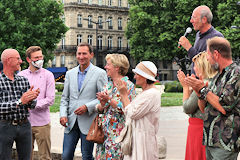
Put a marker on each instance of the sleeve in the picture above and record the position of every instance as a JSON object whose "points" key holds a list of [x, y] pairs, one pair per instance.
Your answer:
{"points": [[102, 80], [192, 52], [50, 93], [231, 93], [65, 97], [190, 105], [142, 105]]}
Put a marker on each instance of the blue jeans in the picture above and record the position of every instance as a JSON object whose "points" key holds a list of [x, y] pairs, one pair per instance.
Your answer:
{"points": [[21, 134], [70, 142], [213, 153]]}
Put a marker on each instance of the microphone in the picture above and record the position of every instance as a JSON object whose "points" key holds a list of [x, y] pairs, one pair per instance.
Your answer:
{"points": [[188, 30]]}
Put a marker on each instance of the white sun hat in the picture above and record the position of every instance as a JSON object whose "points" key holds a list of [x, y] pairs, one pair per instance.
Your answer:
{"points": [[146, 69]]}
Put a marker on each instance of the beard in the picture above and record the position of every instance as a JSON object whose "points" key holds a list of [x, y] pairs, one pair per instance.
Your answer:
{"points": [[215, 66]]}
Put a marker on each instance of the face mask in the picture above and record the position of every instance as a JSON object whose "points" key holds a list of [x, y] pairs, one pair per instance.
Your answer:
{"points": [[38, 64]]}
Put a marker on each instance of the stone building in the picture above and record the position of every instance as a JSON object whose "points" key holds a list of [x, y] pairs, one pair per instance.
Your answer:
{"points": [[98, 22], [102, 24]]}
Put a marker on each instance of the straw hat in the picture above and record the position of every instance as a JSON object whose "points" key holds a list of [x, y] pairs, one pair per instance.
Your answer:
{"points": [[146, 69]]}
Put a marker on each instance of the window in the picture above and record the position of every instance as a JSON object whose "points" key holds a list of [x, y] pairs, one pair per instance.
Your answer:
{"points": [[100, 2], [62, 60], [90, 39], [120, 3], [119, 42], [165, 64], [63, 43], [79, 39], [90, 22], [128, 5], [100, 42], [54, 61], [110, 23], [119, 23], [109, 2], [100, 22], [128, 20], [62, 1], [109, 42], [79, 1], [79, 20], [128, 44], [89, 1]]}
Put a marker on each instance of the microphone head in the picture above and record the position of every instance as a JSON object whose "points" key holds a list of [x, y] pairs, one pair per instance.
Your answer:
{"points": [[189, 30]]}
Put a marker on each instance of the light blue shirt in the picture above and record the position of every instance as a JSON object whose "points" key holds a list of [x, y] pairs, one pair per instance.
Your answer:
{"points": [[81, 76]]}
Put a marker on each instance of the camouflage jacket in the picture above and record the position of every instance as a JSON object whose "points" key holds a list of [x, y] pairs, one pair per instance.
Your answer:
{"points": [[224, 130]]}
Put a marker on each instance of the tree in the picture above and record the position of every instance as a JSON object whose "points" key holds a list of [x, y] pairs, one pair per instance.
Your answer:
{"points": [[25, 23], [156, 25]]}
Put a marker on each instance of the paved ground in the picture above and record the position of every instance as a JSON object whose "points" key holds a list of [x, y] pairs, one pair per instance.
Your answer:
{"points": [[173, 126]]}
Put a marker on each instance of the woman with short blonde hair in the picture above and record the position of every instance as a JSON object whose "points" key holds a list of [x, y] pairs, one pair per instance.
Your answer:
{"points": [[119, 60]]}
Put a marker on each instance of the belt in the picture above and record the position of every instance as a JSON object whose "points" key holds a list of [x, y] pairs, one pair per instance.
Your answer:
{"points": [[16, 122]]}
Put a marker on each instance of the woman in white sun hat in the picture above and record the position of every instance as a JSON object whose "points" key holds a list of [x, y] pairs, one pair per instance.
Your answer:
{"points": [[144, 111]]}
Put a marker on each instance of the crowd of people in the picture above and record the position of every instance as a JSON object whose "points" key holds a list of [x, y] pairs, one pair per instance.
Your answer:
{"points": [[210, 98]]}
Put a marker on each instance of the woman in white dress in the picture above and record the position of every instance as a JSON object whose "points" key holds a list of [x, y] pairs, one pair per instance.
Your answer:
{"points": [[144, 111]]}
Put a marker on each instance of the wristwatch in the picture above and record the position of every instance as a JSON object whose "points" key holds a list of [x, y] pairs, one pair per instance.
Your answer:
{"points": [[19, 102], [203, 93]]}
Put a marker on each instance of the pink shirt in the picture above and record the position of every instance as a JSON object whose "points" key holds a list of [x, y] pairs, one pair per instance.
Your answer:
{"points": [[44, 80]]}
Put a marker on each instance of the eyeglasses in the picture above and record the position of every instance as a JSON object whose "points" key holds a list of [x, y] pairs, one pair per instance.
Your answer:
{"points": [[198, 55], [18, 58]]}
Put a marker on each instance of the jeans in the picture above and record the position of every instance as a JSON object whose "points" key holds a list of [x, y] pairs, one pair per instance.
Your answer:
{"points": [[21, 134], [213, 153], [70, 141]]}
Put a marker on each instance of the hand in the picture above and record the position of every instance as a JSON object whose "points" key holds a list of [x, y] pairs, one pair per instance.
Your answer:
{"points": [[30, 95], [195, 83], [184, 42], [181, 76], [122, 87], [64, 121], [81, 110]]}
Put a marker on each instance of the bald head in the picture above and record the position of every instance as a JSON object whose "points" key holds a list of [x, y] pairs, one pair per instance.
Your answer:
{"points": [[204, 12], [8, 53]]}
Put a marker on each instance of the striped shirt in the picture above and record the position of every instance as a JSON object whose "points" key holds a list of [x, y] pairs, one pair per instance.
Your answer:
{"points": [[10, 93]]}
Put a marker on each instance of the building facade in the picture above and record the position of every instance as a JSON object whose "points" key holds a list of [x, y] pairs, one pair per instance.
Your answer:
{"points": [[101, 23]]}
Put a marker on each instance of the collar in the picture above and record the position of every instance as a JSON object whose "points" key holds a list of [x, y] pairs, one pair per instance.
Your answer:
{"points": [[16, 77], [201, 35], [85, 71], [37, 71]]}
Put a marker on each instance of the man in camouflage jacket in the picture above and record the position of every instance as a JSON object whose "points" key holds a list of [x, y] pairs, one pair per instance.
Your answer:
{"points": [[221, 99]]}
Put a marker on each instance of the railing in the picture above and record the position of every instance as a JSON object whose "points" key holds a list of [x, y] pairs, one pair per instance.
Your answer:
{"points": [[101, 49]]}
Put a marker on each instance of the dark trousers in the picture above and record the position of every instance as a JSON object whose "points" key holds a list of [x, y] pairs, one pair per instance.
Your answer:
{"points": [[21, 134]]}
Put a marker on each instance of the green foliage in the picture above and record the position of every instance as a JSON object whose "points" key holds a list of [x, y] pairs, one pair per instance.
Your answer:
{"points": [[56, 105], [25, 23], [157, 25], [174, 86], [59, 87]]}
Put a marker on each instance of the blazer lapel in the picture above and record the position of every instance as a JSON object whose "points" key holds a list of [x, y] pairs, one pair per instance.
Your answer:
{"points": [[87, 77]]}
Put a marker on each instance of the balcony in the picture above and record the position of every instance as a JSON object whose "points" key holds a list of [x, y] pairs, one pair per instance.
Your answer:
{"points": [[79, 25], [110, 27], [90, 26], [119, 27], [100, 26]]}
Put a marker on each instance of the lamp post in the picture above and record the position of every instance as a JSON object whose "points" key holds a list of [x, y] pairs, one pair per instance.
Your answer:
{"points": [[97, 25]]}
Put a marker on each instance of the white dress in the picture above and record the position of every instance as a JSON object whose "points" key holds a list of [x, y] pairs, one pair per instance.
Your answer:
{"points": [[144, 111]]}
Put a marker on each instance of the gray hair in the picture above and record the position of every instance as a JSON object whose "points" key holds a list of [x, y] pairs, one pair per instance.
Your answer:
{"points": [[206, 12]]}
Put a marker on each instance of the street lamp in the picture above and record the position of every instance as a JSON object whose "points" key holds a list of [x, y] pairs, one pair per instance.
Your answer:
{"points": [[97, 25]]}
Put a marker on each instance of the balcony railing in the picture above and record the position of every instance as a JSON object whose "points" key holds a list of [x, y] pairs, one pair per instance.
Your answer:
{"points": [[79, 25], [101, 49]]}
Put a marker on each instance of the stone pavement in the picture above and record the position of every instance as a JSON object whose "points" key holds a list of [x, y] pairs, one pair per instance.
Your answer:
{"points": [[173, 126]]}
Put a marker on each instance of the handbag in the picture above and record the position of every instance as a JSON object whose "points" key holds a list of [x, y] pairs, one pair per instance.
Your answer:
{"points": [[125, 138], [95, 133]]}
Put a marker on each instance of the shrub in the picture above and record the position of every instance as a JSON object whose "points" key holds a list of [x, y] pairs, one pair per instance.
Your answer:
{"points": [[174, 86], [59, 87]]}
